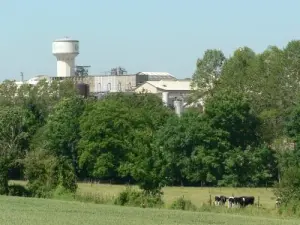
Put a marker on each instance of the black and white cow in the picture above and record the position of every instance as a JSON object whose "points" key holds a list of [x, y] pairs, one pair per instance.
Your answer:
{"points": [[246, 200], [231, 201], [240, 201], [220, 200], [278, 202]]}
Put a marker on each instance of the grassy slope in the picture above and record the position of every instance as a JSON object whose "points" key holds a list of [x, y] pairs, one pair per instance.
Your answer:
{"points": [[30, 211]]}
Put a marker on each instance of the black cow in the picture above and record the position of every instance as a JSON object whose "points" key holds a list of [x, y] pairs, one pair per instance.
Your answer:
{"points": [[220, 200], [247, 200], [242, 201], [232, 201]]}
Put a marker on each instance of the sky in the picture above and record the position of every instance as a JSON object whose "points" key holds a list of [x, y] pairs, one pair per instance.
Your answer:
{"points": [[139, 35]]}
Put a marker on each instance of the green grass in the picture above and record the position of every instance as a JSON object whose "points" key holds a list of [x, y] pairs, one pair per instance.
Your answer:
{"points": [[31, 211], [197, 195]]}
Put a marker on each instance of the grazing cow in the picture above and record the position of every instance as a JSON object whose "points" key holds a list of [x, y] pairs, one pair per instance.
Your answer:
{"points": [[247, 200], [278, 202], [231, 201], [240, 201], [220, 200]]}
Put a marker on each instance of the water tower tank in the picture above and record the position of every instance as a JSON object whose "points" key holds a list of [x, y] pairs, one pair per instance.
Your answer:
{"points": [[65, 50]]}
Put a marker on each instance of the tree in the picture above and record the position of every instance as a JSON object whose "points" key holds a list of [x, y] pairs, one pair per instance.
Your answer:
{"points": [[46, 173], [62, 131], [14, 123], [230, 112], [119, 145], [192, 148], [105, 129], [208, 70], [236, 73]]}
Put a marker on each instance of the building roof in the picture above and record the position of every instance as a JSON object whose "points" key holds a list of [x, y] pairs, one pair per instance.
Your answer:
{"points": [[170, 85], [155, 74]]}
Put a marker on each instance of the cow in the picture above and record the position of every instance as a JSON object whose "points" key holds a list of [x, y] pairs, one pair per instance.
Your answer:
{"points": [[220, 200], [278, 202], [231, 202], [246, 200], [242, 201]]}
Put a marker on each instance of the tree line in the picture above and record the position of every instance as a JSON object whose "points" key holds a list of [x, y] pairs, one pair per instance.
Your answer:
{"points": [[246, 135]]}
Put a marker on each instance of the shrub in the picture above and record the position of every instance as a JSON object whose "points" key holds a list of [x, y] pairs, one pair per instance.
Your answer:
{"points": [[183, 204], [94, 197], [46, 173], [18, 190], [130, 197]]}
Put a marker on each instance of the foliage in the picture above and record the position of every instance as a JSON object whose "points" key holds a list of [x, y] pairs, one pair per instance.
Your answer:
{"points": [[130, 197], [45, 173], [61, 130], [208, 71], [14, 126], [247, 134], [183, 204], [18, 190]]}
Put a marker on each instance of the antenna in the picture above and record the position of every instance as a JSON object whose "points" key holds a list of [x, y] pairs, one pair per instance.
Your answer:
{"points": [[118, 71], [82, 71]]}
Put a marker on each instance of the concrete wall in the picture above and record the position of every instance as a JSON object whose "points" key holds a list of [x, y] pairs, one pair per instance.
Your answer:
{"points": [[112, 83]]}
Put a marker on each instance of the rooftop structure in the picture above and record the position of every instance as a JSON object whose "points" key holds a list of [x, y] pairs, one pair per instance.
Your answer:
{"points": [[155, 76]]}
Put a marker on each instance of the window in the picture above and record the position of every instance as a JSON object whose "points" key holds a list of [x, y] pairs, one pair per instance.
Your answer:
{"points": [[119, 86], [108, 86]]}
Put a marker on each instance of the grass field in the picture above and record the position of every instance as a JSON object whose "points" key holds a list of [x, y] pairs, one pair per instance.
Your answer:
{"points": [[197, 195], [31, 211]]}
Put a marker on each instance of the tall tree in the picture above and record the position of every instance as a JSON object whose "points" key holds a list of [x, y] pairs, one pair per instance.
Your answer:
{"points": [[14, 123], [237, 71], [62, 132], [231, 112], [208, 70]]}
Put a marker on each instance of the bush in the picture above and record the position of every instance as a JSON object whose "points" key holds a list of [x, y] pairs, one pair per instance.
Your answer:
{"points": [[94, 197], [183, 204], [18, 190], [47, 173], [130, 197]]}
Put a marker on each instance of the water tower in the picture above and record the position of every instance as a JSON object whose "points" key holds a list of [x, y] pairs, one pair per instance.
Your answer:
{"points": [[65, 50]]}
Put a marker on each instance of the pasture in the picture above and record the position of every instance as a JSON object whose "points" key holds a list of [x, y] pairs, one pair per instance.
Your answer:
{"points": [[32, 211], [197, 195]]}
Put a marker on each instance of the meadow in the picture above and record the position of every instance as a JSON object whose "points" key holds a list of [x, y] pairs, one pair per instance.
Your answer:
{"points": [[32, 211], [198, 195]]}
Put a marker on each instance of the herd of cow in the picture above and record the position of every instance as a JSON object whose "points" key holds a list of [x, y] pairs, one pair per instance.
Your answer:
{"points": [[242, 201]]}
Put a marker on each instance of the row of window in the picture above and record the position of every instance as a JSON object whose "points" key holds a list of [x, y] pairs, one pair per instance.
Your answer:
{"points": [[119, 86]]}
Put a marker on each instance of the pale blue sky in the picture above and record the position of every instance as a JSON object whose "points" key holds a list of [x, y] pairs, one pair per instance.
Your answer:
{"points": [[140, 35]]}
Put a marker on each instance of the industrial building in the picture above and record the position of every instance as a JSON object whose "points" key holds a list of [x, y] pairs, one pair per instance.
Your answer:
{"points": [[66, 50], [172, 89]]}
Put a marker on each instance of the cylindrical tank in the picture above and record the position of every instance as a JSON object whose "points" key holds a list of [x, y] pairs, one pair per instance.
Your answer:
{"points": [[165, 98], [83, 89], [178, 105], [65, 50]]}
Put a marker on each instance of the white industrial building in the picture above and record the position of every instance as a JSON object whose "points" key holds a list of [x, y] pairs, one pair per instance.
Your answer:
{"points": [[162, 83], [172, 89]]}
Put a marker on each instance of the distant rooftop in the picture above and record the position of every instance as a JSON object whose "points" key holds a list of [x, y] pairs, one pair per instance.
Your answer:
{"points": [[155, 76], [170, 85]]}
